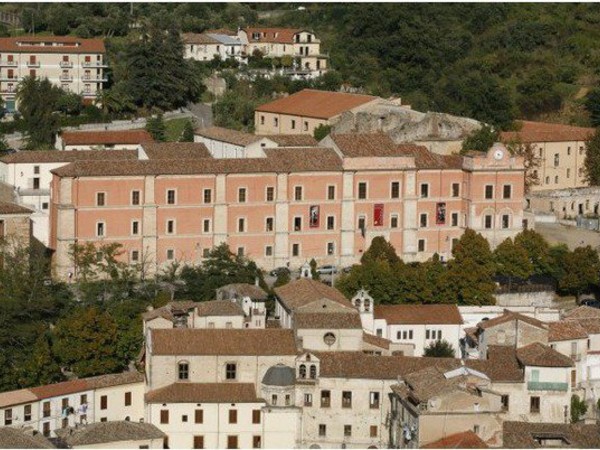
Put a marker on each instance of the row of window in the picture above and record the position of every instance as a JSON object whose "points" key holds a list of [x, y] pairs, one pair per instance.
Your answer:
{"points": [[232, 442], [199, 416], [373, 430], [374, 399], [557, 155], [362, 193]]}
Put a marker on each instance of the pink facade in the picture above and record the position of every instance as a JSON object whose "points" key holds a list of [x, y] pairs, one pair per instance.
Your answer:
{"points": [[278, 211]]}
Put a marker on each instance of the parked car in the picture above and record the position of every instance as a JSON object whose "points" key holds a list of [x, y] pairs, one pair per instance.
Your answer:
{"points": [[326, 270], [347, 269], [279, 270], [593, 303]]}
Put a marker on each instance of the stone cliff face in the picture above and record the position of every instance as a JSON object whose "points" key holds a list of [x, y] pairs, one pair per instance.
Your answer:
{"points": [[403, 124]]}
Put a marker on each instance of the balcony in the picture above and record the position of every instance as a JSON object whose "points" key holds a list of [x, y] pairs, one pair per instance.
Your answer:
{"points": [[66, 64], [66, 78], [95, 79], [547, 386], [93, 64], [7, 90], [9, 78], [5, 63], [33, 64]]}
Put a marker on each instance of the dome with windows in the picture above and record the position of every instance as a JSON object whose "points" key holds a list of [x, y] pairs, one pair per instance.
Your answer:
{"points": [[279, 375]]}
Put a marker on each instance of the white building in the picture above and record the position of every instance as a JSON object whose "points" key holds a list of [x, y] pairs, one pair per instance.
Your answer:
{"points": [[207, 46], [102, 140]]}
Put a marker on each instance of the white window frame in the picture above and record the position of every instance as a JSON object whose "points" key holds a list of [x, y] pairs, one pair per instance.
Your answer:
{"points": [[138, 225], [245, 194], [103, 228], [209, 221]]}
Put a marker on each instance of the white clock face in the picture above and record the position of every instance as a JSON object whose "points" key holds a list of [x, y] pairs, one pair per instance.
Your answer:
{"points": [[498, 154]]}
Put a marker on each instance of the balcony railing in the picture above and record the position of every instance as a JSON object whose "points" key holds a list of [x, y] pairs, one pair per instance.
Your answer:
{"points": [[8, 90], [6, 63], [547, 386], [95, 79], [33, 64], [67, 78], [8, 78], [66, 64], [93, 64]]}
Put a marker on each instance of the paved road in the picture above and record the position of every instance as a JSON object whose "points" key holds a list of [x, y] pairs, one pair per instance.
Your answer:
{"points": [[556, 233]]}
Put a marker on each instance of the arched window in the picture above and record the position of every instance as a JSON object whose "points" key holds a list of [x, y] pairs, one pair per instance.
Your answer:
{"points": [[302, 371], [313, 371], [367, 305], [357, 303], [183, 370]]}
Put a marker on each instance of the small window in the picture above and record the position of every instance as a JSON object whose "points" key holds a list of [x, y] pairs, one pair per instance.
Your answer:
{"points": [[374, 400], [325, 399], [100, 199], [330, 248], [298, 193], [45, 205], [394, 221], [8, 417], [489, 191], [347, 430], [230, 371], [362, 191], [256, 416], [164, 416], [206, 226], [556, 179], [241, 251], [269, 250], [305, 126], [135, 255], [170, 254], [331, 192], [135, 227], [346, 399], [322, 430], [556, 160], [487, 222], [507, 191], [241, 225], [421, 245], [207, 196], [103, 402], [534, 405], [275, 121], [198, 442], [362, 222], [46, 409], [242, 195], [295, 249], [269, 224], [395, 189], [135, 198], [233, 416], [373, 431], [256, 442], [307, 399], [100, 229], [262, 120], [423, 220], [297, 223], [455, 189], [505, 221], [36, 170], [270, 195], [27, 412], [504, 400], [293, 124], [170, 226], [454, 219], [330, 222], [424, 190], [127, 398], [199, 416], [171, 197], [183, 369]]}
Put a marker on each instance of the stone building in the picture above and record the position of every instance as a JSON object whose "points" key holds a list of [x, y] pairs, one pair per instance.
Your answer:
{"points": [[15, 226]]}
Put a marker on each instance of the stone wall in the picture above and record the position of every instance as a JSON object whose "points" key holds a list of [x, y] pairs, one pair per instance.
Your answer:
{"points": [[543, 299]]}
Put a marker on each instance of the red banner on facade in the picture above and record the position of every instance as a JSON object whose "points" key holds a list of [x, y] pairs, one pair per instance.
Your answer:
{"points": [[314, 216], [440, 214], [378, 215]]}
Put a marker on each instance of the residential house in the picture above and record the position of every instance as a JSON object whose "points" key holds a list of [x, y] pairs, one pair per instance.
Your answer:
{"points": [[251, 298], [102, 140], [208, 46], [304, 111], [15, 226], [71, 63], [525, 434], [289, 205], [559, 151]]}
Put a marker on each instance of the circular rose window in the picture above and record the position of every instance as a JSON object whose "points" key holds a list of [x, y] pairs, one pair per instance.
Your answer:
{"points": [[329, 338]]}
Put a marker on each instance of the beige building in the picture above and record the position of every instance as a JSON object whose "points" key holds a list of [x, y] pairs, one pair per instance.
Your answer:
{"points": [[566, 203], [74, 64], [302, 112], [210, 45], [559, 151]]}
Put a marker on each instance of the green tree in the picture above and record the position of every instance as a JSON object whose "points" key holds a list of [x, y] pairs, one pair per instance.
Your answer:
{"points": [[512, 261], [380, 250], [322, 131], [117, 99], [188, 132], [37, 99], [42, 366], [578, 408], [580, 269], [157, 128], [69, 103], [592, 105], [313, 270], [538, 251], [439, 349], [480, 140], [468, 283], [86, 342], [283, 278], [473, 246], [591, 163]]}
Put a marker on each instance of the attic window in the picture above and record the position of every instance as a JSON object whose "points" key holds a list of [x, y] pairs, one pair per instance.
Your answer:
{"points": [[329, 339]]}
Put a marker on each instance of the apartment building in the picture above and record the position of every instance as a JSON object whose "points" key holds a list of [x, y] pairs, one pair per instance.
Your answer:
{"points": [[209, 45], [288, 205], [277, 42], [74, 64], [559, 151], [27, 175], [102, 140], [304, 111]]}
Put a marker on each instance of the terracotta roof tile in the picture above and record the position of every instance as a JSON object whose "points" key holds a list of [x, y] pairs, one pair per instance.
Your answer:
{"points": [[204, 393], [69, 44], [272, 35], [327, 320], [316, 104], [419, 314], [16, 397], [108, 432], [278, 160], [58, 156], [376, 341], [219, 308], [547, 132], [502, 365], [591, 326], [431, 382], [509, 316], [114, 379], [227, 135], [7, 208], [233, 342], [198, 38], [304, 291], [583, 312], [293, 140], [566, 330], [23, 438], [176, 150], [58, 389], [364, 366], [166, 311], [105, 137], [424, 159], [466, 439], [359, 145], [525, 434], [541, 355]]}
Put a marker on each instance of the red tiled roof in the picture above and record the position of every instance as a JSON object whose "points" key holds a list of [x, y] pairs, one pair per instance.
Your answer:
{"points": [[509, 316], [502, 365], [419, 314], [57, 389], [424, 159], [198, 38], [233, 342], [466, 439], [566, 330], [547, 132], [304, 291], [274, 35], [377, 341], [541, 355], [58, 156], [227, 135], [105, 137], [583, 312], [328, 320], [316, 104], [7, 208], [292, 140], [204, 393], [22, 44], [357, 145]]}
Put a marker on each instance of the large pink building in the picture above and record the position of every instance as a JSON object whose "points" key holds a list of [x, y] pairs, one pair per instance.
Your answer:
{"points": [[287, 206]]}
